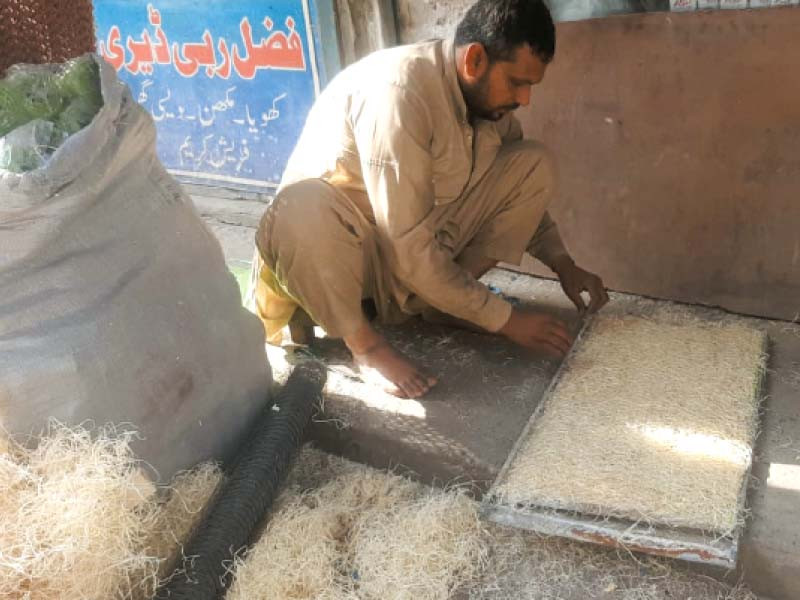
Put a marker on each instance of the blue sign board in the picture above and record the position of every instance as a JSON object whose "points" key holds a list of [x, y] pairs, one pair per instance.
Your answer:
{"points": [[229, 84]]}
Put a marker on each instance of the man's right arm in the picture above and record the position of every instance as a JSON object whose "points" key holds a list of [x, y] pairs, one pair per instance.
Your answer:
{"points": [[393, 136], [393, 132]]}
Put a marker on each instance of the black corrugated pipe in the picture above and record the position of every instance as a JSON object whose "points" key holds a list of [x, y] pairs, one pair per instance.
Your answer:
{"points": [[250, 488]]}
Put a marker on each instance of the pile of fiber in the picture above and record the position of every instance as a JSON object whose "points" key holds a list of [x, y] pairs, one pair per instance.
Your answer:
{"points": [[362, 534], [79, 519], [653, 420], [345, 531]]}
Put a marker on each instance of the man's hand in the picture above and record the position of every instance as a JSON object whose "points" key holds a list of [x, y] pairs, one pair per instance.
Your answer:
{"points": [[575, 280], [538, 331]]}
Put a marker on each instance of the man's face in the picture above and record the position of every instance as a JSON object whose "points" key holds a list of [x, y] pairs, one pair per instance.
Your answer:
{"points": [[505, 85]]}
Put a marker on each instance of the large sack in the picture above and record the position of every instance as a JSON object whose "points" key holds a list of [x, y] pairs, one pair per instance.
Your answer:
{"points": [[115, 302]]}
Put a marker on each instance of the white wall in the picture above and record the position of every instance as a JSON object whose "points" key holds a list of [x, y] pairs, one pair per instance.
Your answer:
{"points": [[424, 19]]}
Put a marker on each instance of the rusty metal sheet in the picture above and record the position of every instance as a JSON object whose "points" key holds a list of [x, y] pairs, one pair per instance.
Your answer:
{"points": [[684, 545]]}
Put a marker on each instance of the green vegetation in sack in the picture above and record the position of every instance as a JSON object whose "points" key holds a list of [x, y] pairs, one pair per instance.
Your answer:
{"points": [[26, 147], [66, 95]]}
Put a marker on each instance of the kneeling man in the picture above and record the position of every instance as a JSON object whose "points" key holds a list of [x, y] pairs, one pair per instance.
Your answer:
{"points": [[411, 180]]}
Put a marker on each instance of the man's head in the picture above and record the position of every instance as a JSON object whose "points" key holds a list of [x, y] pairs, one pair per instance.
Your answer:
{"points": [[502, 48]]}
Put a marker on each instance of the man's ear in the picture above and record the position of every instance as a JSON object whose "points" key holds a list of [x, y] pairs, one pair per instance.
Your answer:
{"points": [[476, 62]]}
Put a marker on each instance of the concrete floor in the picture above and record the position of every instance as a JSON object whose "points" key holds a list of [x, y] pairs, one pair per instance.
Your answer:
{"points": [[488, 389], [464, 429]]}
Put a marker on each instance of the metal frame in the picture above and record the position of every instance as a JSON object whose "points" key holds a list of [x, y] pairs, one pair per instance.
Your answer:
{"points": [[684, 544]]}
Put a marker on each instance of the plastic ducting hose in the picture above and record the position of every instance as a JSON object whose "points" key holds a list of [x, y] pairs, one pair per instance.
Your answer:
{"points": [[250, 489]]}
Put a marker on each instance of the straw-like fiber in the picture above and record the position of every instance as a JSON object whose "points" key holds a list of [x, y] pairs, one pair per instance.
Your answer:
{"points": [[79, 519], [652, 420], [425, 548], [346, 532], [175, 514], [525, 566], [364, 534], [70, 522], [340, 531]]}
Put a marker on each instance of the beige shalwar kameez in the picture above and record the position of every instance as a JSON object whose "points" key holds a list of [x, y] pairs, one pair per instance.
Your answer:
{"points": [[388, 185]]}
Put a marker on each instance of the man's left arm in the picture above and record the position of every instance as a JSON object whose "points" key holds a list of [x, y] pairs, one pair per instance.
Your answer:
{"points": [[548, 247]]}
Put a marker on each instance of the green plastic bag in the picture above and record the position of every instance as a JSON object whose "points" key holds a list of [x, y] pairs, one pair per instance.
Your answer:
{"points": [[66, 95]]}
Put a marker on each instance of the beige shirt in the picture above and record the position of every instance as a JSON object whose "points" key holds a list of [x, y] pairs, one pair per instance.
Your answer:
{"points": [[392, 132]]}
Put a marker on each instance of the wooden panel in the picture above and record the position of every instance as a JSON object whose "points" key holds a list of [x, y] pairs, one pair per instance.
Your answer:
{"points": [[678, 137]]}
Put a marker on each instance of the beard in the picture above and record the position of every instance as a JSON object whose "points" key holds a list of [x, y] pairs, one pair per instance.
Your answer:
{"points": [[476, 97]]}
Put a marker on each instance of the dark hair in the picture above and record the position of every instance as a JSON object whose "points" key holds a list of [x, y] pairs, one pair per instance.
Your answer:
{"points": [[500, 26]]}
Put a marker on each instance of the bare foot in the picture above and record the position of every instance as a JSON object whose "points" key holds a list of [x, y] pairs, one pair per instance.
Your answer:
{"points": [[399, 376], [382, 363]]}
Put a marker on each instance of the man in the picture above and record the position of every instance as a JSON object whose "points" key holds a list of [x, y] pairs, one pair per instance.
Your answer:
{"points": [[410, 181]]}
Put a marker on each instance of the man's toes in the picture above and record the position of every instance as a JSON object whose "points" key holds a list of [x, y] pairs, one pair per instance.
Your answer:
{"points": [[415, 390], [426, 381], [403, 392], [397, 390], [422, 384]]}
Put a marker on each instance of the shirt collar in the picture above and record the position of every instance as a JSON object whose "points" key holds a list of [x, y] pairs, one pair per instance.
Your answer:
{"points": [[449, 56]]}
